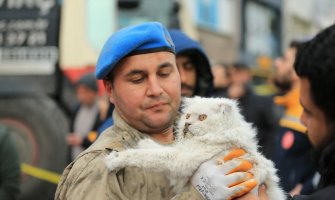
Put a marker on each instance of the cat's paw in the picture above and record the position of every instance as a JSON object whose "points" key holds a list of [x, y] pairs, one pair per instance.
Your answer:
{"points": [[114, 161]]}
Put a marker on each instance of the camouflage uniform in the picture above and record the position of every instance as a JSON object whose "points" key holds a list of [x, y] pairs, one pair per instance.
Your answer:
{"points": [[87, 177]]}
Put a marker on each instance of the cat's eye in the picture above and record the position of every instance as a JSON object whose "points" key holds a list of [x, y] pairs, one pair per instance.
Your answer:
{"points": [[202, 117], [188, 116]]}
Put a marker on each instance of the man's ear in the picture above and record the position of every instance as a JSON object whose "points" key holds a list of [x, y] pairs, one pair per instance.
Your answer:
{"points": [[109, 90]]}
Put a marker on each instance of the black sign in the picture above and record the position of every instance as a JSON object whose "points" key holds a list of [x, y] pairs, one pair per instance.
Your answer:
{"points": [[29, 29], [29, 23]]}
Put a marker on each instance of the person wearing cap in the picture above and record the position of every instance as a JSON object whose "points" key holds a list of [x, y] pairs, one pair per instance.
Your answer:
{"points": [[86, 118], [193, 66], [138, 68], [221, 79], [256, 109]]}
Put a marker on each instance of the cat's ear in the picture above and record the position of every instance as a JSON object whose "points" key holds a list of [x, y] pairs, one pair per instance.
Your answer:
{"points": [[224, 108]]}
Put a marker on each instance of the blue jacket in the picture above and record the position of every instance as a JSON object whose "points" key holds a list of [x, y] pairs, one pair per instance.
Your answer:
{"points": [[184, 44]]}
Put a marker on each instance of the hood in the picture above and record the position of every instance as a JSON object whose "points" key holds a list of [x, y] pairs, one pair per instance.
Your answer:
{"points": [[184, 44]]}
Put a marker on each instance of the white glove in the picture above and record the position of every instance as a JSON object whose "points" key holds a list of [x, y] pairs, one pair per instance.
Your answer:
{"points": [[224, 180]]}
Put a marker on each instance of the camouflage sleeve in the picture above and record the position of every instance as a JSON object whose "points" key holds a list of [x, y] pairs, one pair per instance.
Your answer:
{"points": [[192, 193], [90, 179]]}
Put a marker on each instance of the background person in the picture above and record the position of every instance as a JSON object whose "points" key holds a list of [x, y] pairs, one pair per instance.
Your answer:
{"points": [[256, 109], [315, 67], [221, 79], [193, 66], [293, 151], [86, 118]]}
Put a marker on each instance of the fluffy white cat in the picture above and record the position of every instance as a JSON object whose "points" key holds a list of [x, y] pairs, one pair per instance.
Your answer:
{"points": [[206, 128]]}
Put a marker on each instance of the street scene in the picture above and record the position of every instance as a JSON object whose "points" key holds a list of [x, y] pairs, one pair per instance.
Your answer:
{"points": [[84, 81]]}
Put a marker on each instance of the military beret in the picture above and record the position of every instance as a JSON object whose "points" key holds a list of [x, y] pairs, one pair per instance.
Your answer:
{"points": [[133, 40]]}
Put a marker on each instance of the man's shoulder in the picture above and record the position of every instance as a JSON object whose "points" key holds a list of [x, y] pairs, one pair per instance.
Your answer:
{"points": [[92, 159], [89, 175], [85, 163], [111, 139]]}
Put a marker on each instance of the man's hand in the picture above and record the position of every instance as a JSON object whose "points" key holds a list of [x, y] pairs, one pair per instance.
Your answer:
{"points": [[296, 190], [74, 140], [225, 178], [261, 195]]}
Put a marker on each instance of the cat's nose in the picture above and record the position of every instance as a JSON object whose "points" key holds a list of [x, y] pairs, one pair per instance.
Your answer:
{"points": [[187, 125]]}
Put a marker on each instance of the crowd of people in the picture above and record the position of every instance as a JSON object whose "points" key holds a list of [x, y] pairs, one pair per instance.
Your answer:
{"points": [[146, 69]]}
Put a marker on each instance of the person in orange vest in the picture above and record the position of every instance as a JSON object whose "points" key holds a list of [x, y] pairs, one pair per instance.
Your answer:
{"points": [[292, 152]]}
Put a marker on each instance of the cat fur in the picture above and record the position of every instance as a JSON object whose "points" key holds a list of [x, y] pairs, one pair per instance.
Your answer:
{"points": [[223, 130]]}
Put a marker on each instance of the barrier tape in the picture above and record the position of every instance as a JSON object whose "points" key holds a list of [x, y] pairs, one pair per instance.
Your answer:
{"points": [[40, 173]]}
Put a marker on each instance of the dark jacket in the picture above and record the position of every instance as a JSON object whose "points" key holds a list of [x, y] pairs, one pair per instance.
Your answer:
{"points": [[184, 44], [98, 126], [9, 167], [326, 167], [294, 160], [90, 137], [293, 150], [260, 111]]}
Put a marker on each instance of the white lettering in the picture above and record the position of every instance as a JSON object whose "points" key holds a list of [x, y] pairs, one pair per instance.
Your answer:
{"points": [[43, 6], [29, 54], [14, 38], [18, 4], [37, 38], [27, 24], [2, 25]]}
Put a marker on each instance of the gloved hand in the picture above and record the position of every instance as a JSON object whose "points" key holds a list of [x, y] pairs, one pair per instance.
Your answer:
{"points": [[225, 178]]}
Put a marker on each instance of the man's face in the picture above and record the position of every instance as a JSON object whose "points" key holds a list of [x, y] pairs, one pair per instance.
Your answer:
{"points": [[312, 117], [188, 75], [146, 91], [285, 73], [221, 79], [240, 76], [85, 95]]}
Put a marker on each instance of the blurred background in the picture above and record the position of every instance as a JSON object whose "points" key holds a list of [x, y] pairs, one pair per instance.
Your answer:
{"points": [[45, 46]]}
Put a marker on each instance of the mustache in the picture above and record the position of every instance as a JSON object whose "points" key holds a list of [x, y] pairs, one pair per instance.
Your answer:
{"points": [[158, 100], [189, 87]]}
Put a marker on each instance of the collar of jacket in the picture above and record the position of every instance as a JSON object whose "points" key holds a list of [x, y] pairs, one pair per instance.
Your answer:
{"points": [[326, 164]]}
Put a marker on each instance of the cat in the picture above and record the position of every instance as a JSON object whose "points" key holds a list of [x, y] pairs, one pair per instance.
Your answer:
{"points": [[206, 128]]}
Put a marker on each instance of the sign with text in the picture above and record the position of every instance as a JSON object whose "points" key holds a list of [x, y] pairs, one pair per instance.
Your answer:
{"points": [[29, 31]]}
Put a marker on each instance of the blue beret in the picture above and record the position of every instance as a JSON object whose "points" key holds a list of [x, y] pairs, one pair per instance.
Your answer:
{"points": [[139, 39]]}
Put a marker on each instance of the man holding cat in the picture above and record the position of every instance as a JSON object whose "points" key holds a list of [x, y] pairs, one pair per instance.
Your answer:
{"points": [[138, 68]]}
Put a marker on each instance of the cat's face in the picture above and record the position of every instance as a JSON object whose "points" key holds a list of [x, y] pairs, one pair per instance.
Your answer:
{"points": [[204, 115]]}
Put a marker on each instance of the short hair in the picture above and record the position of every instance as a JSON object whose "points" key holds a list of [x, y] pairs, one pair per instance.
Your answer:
{"points": [[88, 80], [221, 64], [297, 44], [316, 62], [240, 66]]}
